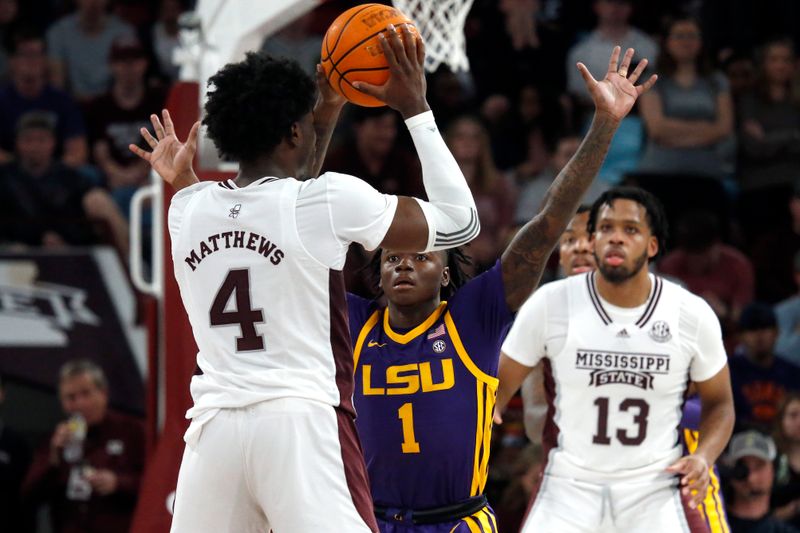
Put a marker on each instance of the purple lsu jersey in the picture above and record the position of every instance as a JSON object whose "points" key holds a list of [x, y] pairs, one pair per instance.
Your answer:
{"points": [[425, 396], [713, 506]]}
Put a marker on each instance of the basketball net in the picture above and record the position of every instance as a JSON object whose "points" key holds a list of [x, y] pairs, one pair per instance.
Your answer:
{"points": [[441, 24]]}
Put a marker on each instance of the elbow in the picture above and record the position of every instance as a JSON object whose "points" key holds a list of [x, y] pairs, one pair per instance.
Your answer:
{"points": [[469, 228]]}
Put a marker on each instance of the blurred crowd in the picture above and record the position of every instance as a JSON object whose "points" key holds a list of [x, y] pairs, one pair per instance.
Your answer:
{"points": [[717, 140]]}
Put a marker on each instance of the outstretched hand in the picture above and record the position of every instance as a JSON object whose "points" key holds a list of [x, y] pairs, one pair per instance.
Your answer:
{"points": [[615, 94], [171, 158]]}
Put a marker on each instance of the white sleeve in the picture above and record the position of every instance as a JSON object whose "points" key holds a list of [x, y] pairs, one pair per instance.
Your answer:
{"points": [[178, 204], [358, 212], [525, 343], [450, 210], [709, 355]]}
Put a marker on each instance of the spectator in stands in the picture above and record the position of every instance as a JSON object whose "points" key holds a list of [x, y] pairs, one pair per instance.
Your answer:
{"points": [[513, 504], [786, 491], [116, 118], [165, 38], [29, 91], [788, 315], [532, 189], [717, 272], [748, 509], [45, 202], [89, 475], [493, 191], [375, 155], [9, 10], [689, 115], [740, 70], [613, 28], [760, 380], [296, 41], [15, 457], [79, 45], [769, 134]]}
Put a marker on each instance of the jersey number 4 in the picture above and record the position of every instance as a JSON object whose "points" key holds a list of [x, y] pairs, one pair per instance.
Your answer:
{"points": [[639, 418], [237, 284]]}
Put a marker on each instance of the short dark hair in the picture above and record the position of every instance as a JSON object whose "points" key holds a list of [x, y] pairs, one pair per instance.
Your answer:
{"points": [[583, 208], [654, 211], [20, 35], [252, 105]]}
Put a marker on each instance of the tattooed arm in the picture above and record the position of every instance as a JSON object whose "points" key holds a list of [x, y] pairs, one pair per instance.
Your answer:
{"points": [[524, 260]]}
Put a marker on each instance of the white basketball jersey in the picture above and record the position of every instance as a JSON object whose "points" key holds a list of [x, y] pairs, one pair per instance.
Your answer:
{"points": [[268, 315], [616, 377]]}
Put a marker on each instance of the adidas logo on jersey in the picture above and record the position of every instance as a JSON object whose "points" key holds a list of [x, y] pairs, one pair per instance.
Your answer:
{"points": [[623, 334]]}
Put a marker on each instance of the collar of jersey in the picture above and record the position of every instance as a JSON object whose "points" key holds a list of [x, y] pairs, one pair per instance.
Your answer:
{"points": [[417, 331], [231, 184], [650, 304]]}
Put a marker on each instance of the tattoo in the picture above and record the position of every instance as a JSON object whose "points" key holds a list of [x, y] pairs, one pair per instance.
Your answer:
{"points": [[524, 260]]}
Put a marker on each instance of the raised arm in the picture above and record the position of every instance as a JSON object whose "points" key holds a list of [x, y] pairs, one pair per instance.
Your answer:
{"points": [[525, 258], [326, 115], [449, 217]]}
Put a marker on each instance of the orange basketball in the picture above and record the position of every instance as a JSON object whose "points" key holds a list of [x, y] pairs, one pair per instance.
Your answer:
{"points": [[352, 52]]}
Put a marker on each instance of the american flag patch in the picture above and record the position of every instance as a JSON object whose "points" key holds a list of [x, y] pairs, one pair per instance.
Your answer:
{"points": [[438, 332]]}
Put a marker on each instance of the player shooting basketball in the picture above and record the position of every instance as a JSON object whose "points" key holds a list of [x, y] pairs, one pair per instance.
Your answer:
{"points": [[272, 442], [426, 365]]}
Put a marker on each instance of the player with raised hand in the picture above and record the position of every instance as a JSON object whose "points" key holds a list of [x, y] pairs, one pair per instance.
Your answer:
{"points": [[618, 347], [426, 364], [258, 259]]}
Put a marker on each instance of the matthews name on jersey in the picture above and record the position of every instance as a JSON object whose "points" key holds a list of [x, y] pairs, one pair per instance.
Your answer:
{"points": [[425, 397], [615, 377], [259, 271]]}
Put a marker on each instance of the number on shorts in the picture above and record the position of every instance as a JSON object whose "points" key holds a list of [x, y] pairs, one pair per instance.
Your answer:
{"points": [[640, 419], [406, 416], [237, 283]]}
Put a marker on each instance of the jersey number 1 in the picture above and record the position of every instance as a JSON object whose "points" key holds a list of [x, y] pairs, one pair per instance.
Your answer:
{"points": [[237, 283], [406, 416]]}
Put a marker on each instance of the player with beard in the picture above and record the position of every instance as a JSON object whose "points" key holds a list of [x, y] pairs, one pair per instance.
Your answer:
{"points": [[426, 363], [619, 347]]}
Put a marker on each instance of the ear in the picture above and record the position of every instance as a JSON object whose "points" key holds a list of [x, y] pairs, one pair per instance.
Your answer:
{"points": [[446, 276], [652, 247], [296, 134]]}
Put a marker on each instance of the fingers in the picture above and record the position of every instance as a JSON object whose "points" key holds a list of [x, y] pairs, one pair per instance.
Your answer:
{"points": [[638, 71], [612, 63], [409, 43], [420, 50], [373, 90], [140, 152], [148, 137], [393, 38], [646, 86], [191, 141], [157, 127], [497, 418], [168, 125], [388, 49], [626, 63], [587, 76]]}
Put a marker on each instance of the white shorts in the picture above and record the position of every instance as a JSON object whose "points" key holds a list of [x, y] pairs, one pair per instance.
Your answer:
{"points": [[290, 465], [565, 505]]}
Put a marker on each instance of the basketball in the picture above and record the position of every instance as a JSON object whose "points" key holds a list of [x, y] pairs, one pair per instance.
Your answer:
{"points": [[352, 52]]}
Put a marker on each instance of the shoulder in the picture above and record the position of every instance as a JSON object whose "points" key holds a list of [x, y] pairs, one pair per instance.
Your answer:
{"points": [[125, 424], [118, 26], [182, 197], [642, 39], [731, 254], [67, 23], [691, 305]]}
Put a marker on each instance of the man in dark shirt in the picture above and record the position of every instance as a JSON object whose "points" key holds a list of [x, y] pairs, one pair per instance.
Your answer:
{"points": [[45, 202], [752, 454], [90, 470], [15, 457], [759, 379]]}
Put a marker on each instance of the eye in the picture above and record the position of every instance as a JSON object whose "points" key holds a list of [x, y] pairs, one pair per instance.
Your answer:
{"points": [[422, 257], [569, 240], [391, 258], [604, 227], [632, 230]]}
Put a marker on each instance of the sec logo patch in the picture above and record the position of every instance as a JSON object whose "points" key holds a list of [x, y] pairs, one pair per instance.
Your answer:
{"points": [[439, 346]]}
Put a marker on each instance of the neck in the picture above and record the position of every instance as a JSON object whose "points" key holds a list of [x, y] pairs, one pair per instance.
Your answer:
{"points": [[128, 95], [250, 171], [777, 92], [29, 88], [613, 31], [410, 316], [753, 508], [632, 292], [762, 360], [91, 22], [686, 70], [793, 453], [35, 168]]}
